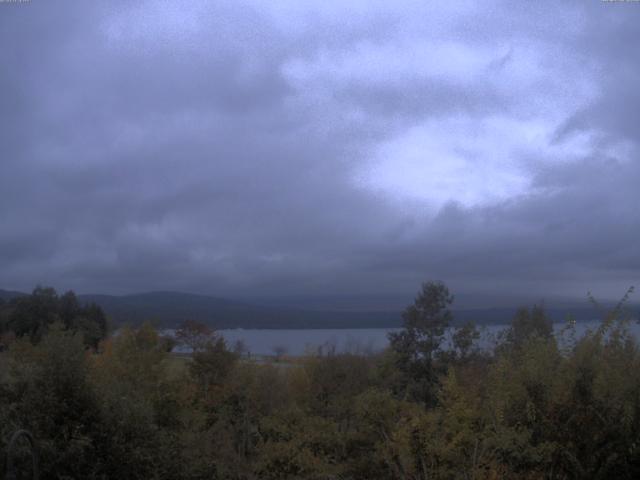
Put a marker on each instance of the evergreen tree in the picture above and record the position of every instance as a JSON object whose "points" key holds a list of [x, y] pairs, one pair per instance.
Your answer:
{"points": [[417, 345]]}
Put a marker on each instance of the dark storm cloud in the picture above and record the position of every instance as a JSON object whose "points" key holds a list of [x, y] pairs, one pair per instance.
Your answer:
{"points": [[234, 149]]}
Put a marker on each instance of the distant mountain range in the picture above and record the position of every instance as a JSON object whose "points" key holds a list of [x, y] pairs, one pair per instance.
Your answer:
{"points": [[167, 309]]}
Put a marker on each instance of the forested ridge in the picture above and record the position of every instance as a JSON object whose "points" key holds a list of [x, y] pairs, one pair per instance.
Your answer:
{"points": [[166, 309], [123, 406]]}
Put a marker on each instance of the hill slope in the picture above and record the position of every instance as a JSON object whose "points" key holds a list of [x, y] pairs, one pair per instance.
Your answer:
{"points": [[9, 294], [167, 309]]}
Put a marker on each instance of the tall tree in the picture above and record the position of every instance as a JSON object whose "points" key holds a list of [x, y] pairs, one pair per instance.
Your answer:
{"points": [[417, 345]]}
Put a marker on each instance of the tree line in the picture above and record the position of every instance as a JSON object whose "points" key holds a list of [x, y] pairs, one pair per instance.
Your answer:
{"points": [[123, 406]]}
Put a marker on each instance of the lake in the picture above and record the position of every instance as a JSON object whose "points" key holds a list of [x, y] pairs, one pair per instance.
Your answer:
{"points": [[362, 340]]}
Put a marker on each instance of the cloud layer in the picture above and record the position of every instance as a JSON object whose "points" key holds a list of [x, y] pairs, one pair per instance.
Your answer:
{"points": [[358, 147]]}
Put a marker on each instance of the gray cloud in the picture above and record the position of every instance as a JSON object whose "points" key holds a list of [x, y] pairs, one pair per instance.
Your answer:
{"points": [[316, 150]]}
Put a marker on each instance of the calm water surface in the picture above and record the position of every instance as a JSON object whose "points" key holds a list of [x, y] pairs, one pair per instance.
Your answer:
{"points": [[299, 342]]}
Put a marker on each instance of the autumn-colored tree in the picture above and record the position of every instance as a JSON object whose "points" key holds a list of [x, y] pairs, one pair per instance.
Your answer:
{"points": [[211, 364], [194, 335], [130, 409], [139, 401], [48, 392]]}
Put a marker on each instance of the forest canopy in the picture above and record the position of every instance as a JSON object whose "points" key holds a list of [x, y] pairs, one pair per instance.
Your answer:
{"points": [[124, 406], [33, 315]]}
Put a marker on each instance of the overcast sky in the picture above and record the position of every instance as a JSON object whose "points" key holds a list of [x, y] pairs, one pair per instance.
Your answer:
{"points": [[335, 147]]}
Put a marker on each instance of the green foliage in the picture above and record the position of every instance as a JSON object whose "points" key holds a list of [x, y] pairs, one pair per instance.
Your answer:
{"points": [[333, 380], [211, 364], [463, 340], [47, 391], [527, 323], [133, 410], [417, 345], [31, 316], [140, 405]]}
